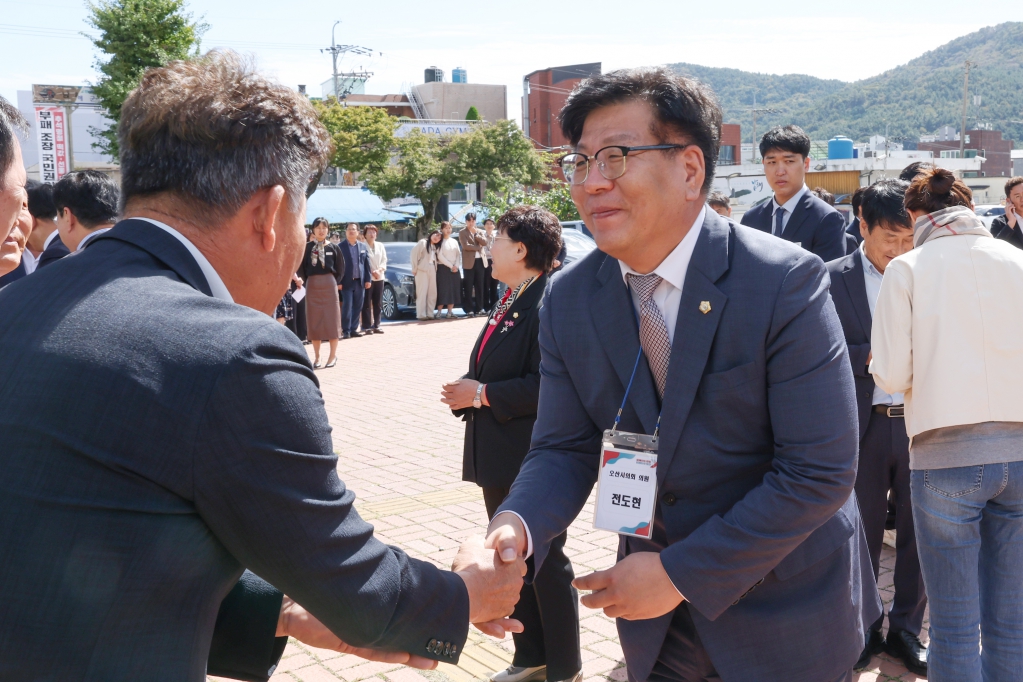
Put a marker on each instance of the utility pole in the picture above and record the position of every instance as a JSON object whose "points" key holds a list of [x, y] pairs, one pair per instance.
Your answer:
{"points": [[335, 50], [966, 92], [756, 111]]}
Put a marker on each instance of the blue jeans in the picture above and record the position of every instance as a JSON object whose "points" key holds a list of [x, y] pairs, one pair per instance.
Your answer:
{"points": [[351, 305], [969, 534]]}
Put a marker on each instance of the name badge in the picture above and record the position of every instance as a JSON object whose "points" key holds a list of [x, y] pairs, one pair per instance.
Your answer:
{"points": [[627, 484]]}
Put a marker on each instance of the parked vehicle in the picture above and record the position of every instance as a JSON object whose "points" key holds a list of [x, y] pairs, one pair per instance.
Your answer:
{"points": [[577, 245], [988, 213], [577, 225], [399, 285]]}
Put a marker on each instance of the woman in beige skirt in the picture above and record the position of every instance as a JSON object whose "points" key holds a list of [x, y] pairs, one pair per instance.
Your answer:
{"points": [[322, 268]]}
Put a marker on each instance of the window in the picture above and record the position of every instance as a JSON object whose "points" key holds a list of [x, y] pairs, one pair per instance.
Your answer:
{"points": [[726, 157]]}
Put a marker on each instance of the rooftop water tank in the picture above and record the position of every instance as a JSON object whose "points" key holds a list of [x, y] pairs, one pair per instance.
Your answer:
{"points": [[459, 75], [434, 75], [840, 147]]}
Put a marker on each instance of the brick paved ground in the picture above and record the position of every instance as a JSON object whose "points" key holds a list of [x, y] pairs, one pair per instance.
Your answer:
{"points": [[383, 403]]}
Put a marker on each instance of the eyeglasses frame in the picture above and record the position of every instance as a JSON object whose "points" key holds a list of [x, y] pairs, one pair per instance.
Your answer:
{"points": [[625, 155]]}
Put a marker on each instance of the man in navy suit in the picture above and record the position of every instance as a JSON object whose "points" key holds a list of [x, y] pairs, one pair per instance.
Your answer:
{"points": [[756, 567], [795, 214], [887, 233], [358, 277]]}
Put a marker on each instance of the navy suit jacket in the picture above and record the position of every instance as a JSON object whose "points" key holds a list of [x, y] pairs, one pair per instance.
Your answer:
{"points": [[14, 275], [156, 442], [758, 452], [364, 269], [54, 252], [849, 292], [814, 225]]}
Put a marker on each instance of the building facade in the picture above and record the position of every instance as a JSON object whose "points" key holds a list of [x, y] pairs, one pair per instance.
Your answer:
{"points": [[984, 143], [543, 94], [731, 144]]}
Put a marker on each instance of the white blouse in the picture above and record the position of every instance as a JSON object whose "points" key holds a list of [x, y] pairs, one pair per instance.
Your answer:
{"points": [[450, 253]]}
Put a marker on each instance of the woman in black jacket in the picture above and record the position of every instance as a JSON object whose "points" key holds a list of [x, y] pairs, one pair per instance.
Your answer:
{"points": [[497, 398], [322, 269]]}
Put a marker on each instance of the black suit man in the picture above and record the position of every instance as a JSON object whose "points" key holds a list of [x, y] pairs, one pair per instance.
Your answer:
{"points": [[1007, 227], [357, 279], [884, 446], [53, 251], [194, 443], [794, 213]]}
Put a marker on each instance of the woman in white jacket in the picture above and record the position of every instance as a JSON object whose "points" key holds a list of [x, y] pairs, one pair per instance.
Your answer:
{"points": [[449, 279], [948, 332], [424, 269]]}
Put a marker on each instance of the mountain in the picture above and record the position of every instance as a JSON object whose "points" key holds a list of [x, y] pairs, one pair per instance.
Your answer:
{"points": [[915, 99]]}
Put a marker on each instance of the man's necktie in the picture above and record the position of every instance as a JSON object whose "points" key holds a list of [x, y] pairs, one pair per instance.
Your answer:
{"points": [[779, 216], [653, 332]]}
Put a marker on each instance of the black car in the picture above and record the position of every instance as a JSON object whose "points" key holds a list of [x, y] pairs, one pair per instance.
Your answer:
{"points": [[399, 284]]}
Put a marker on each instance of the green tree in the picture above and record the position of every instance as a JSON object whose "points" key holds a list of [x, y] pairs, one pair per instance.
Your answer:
{"points": [[557, 200], [363, 136], [135, 35], [473, 114], [429, 166]]}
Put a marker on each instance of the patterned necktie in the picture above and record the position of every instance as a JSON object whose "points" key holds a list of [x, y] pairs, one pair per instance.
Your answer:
{"points": [[779, 216], [653, 332]]}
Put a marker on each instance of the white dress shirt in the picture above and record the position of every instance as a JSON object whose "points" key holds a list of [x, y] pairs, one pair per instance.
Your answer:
{"points": [[217, 286], [667, 296], [872, 278], [89, 237], [789, 207], [30, 260]]}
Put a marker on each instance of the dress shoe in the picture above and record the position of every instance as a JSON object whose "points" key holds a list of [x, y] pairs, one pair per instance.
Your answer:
{"points": [[514, 673], [378, 331], [875, 645], [346, 336], [905, 646], [356, 335]]}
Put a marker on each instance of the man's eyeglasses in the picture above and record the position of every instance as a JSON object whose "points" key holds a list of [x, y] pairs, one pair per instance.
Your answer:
{"points": [[610, 161]]}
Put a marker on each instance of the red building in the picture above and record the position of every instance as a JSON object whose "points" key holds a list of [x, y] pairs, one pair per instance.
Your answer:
{"points": [[731, 143], [543, 94], [986, 143]]}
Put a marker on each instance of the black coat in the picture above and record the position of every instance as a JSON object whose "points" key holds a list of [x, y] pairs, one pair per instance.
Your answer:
{"points": [[497, 437], [52, 253], [814, 225], [1000, 230], [849, 293]]}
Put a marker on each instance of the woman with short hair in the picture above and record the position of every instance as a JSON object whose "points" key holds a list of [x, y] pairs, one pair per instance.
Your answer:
{"points": [[498, 398], [449, 281], [948, 333], [322, 269], [372, 304]]}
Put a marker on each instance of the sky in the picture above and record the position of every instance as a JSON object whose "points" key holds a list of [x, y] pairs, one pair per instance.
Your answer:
{"points": [[500, 42]]}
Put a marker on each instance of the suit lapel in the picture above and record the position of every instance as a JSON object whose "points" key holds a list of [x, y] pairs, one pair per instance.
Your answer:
{"points": [[852, 275], [694, 333], [615, 322], [527, 300], [799, 215], [161, 246]]}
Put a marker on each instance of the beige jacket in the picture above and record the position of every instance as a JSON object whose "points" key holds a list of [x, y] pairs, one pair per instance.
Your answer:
{"points": [[422, 258], [948, 332], [377, 260]]}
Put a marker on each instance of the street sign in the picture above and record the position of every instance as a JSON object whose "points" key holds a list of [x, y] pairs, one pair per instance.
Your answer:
{"points": [[55, 94]]}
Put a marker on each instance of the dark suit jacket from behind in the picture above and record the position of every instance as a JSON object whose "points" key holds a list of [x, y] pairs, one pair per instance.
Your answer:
{"points": [[1000, 230], [497, 437], [14, 275], [849, 292], [756, 523], [814, 225], [349, 269], [52, 253], [156, 442]]}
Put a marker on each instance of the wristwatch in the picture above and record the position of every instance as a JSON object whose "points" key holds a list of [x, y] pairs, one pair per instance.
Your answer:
{"points": [[479, 392]]}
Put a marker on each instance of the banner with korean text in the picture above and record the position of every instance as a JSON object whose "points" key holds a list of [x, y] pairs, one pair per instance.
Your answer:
{"points": [[53, 157]]}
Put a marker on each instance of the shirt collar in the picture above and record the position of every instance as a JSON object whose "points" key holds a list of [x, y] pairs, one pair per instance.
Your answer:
{"points": [[217, 286], [867, 265], [89, 237], [791, 204], [675, 265], [49, 240]]}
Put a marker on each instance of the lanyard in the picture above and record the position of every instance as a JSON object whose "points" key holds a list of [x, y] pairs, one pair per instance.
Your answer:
{"points": [[628, 389]]}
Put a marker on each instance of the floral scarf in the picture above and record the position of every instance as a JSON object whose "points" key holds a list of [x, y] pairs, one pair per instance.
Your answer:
{"points": [[320, 253], [954, 220]]}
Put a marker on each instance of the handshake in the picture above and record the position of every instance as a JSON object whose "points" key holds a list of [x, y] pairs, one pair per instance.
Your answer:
{"points": [[493, 585]]}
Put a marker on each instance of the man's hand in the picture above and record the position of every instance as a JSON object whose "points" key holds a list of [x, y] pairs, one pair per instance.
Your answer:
{"points": [[296, 622], [369, 284], [636, 588], [339, 287], [1010, 215], [459, 394], [493, 587], [507, 536]]}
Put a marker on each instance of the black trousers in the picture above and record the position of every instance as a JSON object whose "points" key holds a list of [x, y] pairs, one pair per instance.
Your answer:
{"points": [[371, 305], [489, 287], [473, 297], [548, 609], [884, 467], [297, 323]]}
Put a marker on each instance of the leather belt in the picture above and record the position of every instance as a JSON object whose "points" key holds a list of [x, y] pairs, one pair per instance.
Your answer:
{"points": [[898, 411]]}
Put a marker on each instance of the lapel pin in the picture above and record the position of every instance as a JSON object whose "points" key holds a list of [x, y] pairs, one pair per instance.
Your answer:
{"points": [[515, 315], [704, 307]]}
